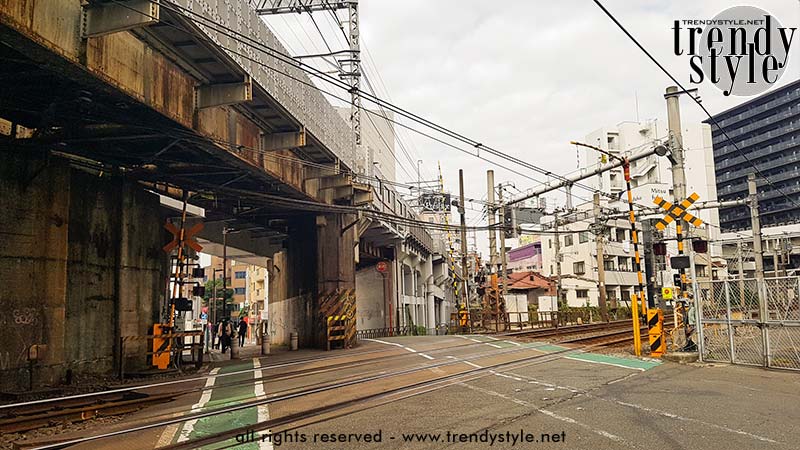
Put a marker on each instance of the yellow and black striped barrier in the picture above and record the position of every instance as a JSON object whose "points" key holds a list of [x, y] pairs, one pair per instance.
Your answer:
{"points": [[336, 329], [655, 325]]}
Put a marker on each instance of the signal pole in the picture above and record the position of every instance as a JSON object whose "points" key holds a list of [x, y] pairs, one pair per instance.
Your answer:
{"points": [[490, 211], [503, 240], [678, 174], [558, 259], [464, 266], [601, 270]]}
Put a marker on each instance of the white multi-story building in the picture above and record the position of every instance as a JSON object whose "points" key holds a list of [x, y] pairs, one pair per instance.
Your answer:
{"points": [[650, 177]]}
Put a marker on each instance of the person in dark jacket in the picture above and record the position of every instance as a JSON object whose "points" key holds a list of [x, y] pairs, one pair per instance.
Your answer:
{"points": [[242, 332], [225, 334]]}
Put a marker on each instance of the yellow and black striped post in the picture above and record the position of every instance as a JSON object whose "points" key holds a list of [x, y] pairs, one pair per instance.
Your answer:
{"points": [[678, 213], [638, 293], [655, 325]]}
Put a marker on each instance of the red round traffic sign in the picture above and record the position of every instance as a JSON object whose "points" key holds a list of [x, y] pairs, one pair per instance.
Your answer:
{"points": [[382, 266]]}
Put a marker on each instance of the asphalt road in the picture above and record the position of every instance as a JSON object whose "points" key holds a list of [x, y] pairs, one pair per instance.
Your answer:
{"points": [[478, 393]]}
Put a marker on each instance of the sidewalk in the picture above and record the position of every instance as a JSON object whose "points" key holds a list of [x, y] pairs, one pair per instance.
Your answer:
{"points": [[249, 351]]}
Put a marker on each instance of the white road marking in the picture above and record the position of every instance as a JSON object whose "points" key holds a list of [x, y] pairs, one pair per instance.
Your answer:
{"points": [[384, 342], [166, 436], [640, 407], [641, 369], [551, 414], [188, 426], [401, 346], [482, 342], [469, 363], [263, 412]]}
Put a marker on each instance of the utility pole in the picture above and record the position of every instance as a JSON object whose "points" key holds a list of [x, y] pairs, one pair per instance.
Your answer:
{"points": [[775, 258], [741, 273], [464, 267], [355, 71], [224, 272], [568, 191], [678, 174], [503, 240], [558, 260], [601, 270], [490, 212], [758, 252]]}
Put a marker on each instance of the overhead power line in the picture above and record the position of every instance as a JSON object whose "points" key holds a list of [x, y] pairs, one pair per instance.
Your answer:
{"points": [[209, 23], [697, 101]]}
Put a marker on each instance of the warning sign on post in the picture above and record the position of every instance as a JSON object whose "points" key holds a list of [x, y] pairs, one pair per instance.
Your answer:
{"points": [[666, 293]]}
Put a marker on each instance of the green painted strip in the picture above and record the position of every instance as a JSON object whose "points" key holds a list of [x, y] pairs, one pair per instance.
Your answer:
{"points": [[631, 363], [224, 396]]}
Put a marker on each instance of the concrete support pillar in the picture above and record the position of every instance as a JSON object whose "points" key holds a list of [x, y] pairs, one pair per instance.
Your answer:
{"points": [[336, 268], [91, 246], [335, 253], [427, 275]]}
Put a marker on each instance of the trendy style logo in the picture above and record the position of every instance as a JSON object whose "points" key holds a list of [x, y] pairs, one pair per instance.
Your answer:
{"points": [[742, 51]]}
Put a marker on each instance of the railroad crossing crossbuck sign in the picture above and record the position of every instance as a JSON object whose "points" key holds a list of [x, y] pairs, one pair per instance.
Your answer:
{"points": [[677, 212], [188, 237]]}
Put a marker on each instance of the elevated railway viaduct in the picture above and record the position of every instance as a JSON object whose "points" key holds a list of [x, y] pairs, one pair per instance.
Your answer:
{"points": [[108, 105]]}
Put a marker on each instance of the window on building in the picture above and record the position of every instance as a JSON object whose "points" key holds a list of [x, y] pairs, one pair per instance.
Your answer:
{"points": [[241, 275], [582, 293], [583, 236], [625, 295], [567, 240], [579, 268], [238, 291], [609, 264], [622, 262], [620, 235], [700, 270]]}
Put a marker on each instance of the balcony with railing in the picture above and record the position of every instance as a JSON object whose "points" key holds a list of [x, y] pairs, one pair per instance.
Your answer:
{"points": [[792, 98], [752, 156]]}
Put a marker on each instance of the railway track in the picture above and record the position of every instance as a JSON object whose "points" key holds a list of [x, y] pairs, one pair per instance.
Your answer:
{"points": [[26, 419], [360, 402], [617, 328], [32, 415], [80, 409]]}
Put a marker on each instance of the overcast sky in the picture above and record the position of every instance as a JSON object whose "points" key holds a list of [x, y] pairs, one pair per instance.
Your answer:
{"points": [[525, 76]]}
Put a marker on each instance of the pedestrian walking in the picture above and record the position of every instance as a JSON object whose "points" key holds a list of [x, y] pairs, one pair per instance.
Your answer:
{"points": [[212, 329], [242, 332], [226, 334]]}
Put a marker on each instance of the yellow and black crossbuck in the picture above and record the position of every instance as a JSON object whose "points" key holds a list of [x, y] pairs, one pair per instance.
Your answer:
{"points": [[677, 212]]}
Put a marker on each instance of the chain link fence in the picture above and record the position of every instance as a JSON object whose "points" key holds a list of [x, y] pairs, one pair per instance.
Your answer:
{"points": [[747, 322]]}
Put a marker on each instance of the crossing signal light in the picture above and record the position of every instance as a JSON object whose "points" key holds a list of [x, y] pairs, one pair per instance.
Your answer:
{"points": [[700, 245], [181, 304], [509, 224], [676, 278]]}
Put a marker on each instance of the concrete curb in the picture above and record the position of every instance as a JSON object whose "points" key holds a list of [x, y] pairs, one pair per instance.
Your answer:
{"points": [[681, 357]]}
